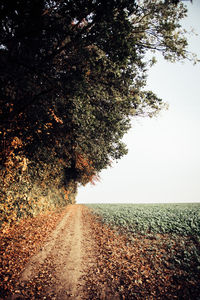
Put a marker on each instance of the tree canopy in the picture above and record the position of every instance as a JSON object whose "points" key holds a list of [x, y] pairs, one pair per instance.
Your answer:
{"points": [[73, 74]]}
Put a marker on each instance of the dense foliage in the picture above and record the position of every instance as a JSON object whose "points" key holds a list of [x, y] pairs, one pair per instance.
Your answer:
{"points": [[72, 75]]}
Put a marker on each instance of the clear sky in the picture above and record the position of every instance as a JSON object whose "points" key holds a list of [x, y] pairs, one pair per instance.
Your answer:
{"points": [[163, 163]]}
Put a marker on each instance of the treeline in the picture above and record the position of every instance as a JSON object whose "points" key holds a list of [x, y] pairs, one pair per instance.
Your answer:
{"points": [[72, 75]]}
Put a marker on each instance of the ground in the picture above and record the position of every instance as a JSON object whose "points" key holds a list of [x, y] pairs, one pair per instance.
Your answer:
{"points": [[72, 255], [57, 269]]}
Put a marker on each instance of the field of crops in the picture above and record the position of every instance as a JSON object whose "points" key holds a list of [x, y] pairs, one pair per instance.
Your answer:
{"points": [[181, 219], [159, 257]]}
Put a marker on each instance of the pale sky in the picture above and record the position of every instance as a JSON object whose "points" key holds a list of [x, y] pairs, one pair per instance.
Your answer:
{"points": [[163, 163]]}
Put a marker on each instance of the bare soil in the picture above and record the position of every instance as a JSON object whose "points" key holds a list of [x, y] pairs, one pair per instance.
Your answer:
{"points": [[56, 271]]}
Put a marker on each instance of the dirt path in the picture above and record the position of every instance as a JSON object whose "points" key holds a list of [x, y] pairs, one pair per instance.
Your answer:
{"points": [[58, 269], [85, 259]]}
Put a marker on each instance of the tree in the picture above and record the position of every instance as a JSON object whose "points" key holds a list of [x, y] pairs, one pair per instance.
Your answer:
{"points": [[73, 74]]}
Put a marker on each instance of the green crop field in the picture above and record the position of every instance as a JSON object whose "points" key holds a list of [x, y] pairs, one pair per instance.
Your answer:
{"points": [[162, 240], [181, 219]]}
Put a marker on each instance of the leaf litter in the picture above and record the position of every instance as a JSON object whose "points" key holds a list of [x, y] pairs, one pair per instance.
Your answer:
{"points": [[133, 266], [115, 265], [20, 243]]}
